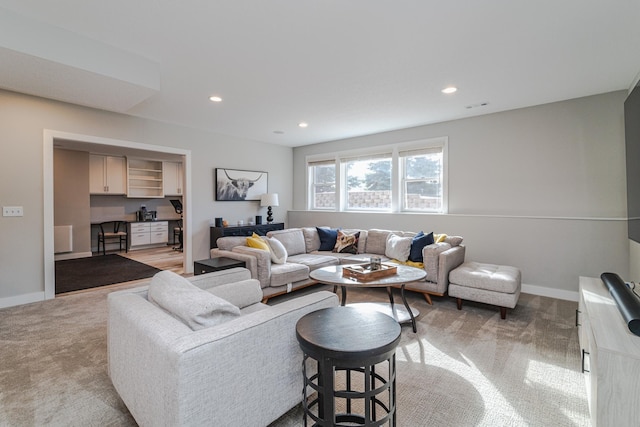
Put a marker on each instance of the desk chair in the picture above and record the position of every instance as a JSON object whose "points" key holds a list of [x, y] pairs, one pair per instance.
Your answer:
{"points": [[177, 236], [177, 206], [113, 230]]}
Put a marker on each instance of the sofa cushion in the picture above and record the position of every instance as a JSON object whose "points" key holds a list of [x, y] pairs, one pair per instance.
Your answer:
{"points": [[241, 294], [195, 307], [278, 251], [227, 243], [491, 277], [314, 261], [327, 237], [347, 242], [255, 241], [417, 244], [398, 247], [377, 241], [283, 274], [311, 239], [291, 238], [453, 240]]}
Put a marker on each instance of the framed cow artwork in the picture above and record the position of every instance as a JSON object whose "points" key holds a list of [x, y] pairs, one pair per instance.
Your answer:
{"points": [[233, 185]]}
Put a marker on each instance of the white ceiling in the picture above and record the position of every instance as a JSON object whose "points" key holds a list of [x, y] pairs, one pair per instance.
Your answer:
{"points": [[348, 68]]}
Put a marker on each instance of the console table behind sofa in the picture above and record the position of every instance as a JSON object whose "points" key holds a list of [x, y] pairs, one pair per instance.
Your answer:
{"points": [[246, 230]]}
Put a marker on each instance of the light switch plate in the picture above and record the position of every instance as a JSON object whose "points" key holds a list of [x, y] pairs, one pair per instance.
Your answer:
{"points": [[12, 211]]}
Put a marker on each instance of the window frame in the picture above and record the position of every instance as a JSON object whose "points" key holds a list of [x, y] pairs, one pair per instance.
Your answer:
{"points": [[312, 184], [339, 159], [414, 152]]}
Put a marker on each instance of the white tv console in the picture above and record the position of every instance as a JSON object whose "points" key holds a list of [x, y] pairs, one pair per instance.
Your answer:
{"points": [[610, 357]]}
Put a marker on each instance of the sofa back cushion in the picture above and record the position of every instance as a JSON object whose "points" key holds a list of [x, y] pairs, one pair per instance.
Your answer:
{"points": [[311, 239], [377, 241], [195, 307], [229, 242], [291, 238]]}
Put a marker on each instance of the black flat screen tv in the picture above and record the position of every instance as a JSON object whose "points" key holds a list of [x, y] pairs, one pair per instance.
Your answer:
{"points": [[632, 145]]}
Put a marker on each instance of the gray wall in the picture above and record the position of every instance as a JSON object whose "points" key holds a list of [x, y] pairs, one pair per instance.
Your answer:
{"points": [[22, 121], [541, 188], [71, 196]]}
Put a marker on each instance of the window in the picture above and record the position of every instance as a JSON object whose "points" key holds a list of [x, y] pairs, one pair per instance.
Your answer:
{"points": [[368, 183], [323, 184], [421, 180], [409, 177]]}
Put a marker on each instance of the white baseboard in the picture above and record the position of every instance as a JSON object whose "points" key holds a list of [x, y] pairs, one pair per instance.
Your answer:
{"points": [[72, 255], [543, 291], [21, 299]]}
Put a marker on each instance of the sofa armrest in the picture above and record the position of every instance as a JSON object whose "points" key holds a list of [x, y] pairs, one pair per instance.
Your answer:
{"points": [[250, 262], [222, 277], [448, 260], [263, 263], [169, 375]]}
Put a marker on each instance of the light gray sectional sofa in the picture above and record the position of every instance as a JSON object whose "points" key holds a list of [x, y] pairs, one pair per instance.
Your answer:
{"points": [[303, 252], [217, 358]]}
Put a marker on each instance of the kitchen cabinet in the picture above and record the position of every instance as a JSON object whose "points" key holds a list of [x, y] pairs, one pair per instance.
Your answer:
{"points": [[610, 357], [148, 233], [107, 174], [172, 178], [144, 178]]}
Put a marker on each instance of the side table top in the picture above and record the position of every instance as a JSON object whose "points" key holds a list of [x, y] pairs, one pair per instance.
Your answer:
{"points": [[219, 262], [347, 333]]}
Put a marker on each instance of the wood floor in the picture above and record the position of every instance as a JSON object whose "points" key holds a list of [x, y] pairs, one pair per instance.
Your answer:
{"points": [[164, 258]]}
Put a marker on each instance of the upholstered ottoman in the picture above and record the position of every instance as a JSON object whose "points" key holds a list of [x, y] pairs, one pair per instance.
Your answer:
{"points": [[486, 283]]}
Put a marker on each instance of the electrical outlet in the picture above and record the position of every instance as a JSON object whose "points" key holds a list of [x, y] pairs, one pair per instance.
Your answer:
{"points": [[12, 211]]}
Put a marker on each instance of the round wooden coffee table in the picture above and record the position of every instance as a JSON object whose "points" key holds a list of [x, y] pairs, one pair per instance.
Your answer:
{"points": [[332, 275]]}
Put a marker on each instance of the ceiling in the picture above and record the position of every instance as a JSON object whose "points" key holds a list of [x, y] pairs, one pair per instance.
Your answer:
{"points": [[347, 68]]}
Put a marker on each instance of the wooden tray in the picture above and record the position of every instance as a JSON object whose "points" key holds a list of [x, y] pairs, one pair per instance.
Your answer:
{"points": [[363, 272]]}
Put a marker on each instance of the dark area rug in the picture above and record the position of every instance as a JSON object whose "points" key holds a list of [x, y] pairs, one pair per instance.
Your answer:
{"points": [[101, 270]]}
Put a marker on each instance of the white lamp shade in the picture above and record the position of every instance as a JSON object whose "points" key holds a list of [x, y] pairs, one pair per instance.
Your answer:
{"points": [[269, 199]]}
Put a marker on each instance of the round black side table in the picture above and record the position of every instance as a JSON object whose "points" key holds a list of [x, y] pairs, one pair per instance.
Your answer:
{"points": [[347, 345]]}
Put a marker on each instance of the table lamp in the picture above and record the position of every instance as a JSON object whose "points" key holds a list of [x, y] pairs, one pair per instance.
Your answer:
{"points": [[269, 199]]}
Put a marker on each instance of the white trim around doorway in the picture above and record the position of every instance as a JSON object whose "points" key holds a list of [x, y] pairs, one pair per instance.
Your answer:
{"points": [[49, 136]]}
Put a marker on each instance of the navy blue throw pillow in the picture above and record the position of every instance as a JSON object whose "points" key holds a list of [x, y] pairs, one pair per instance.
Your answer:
{"points": [[328, 238], [417, 244]]}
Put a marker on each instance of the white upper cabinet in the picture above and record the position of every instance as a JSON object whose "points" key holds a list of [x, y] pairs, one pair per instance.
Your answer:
{"points": [[172, 178], [107, 174]]}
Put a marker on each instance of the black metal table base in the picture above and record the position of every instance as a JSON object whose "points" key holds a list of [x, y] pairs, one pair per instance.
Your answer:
{"points": [[349, 367], [375, 400], [401, 315]]}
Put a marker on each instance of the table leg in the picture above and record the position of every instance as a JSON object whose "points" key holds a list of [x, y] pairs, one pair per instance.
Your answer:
{"points": [[344, 295], [390, 294], [406, 305]]}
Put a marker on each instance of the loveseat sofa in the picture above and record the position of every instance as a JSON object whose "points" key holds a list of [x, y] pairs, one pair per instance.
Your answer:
{"points": [[306, 251], [180, 365]]}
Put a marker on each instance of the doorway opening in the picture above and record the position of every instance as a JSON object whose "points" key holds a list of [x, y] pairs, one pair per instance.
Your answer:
{"points": [[56, 139]]}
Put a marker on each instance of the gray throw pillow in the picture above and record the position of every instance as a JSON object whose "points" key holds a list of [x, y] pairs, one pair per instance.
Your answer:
{"points": [[195, 307]]}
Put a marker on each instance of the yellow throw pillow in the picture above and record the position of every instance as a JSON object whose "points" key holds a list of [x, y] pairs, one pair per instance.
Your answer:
{"points": [[256, 241], [439, 238]]}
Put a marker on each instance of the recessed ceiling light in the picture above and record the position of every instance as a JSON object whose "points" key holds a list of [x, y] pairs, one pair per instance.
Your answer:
{"points": [[449, 89], [303, 124], [215, 99]]}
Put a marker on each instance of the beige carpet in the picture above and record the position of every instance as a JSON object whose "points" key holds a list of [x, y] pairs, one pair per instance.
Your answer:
{"points": [[462, 368]]}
